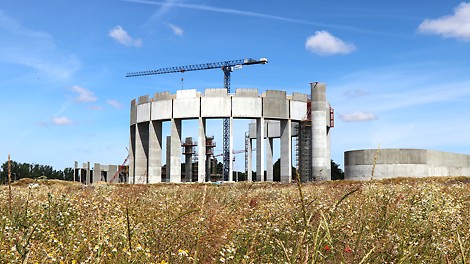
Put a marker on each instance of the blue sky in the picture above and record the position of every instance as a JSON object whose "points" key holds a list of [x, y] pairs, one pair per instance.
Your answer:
{"points": [[398, 72]]}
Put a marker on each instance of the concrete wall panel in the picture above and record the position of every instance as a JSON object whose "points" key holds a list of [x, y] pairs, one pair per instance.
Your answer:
{"points": [[186, 108], [246, 107], [298, 110], [216, 106], [162, 110], [143, 113], [393, 163]]}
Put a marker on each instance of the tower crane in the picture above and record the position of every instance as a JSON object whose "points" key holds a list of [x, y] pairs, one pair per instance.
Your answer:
{"points": [[227, 67]]}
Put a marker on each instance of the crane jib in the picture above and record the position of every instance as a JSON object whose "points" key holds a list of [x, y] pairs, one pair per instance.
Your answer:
{"points": [[196, 67]]}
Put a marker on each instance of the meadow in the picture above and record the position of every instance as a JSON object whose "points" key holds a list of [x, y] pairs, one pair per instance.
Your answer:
{"points": [[390, 221]]}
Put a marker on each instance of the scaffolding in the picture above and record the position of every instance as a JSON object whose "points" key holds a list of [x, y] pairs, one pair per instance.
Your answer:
{"points": [[304, 147]]}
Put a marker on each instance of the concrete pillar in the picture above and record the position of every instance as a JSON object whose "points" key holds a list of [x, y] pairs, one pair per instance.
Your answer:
{"points": [[269, 159], [175, 151], [201, 151], [112, 170], [96, 172], [168, 158], [141, 153], [320, 123], [155, 152], [75, 172], [249, 157], [88, 176], [133, 131], [286, 151], [260, 127], [230, 168]]}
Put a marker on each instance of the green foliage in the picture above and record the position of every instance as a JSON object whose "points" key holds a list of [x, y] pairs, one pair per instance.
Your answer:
{"points": [[336, 172], [34, 171]]}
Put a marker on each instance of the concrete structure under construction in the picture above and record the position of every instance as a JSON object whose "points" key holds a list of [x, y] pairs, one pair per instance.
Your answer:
{"points": [[271, 107], [391, 163], [88, 175]]}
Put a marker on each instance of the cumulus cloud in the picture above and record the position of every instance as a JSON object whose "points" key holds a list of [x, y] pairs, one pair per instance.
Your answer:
{"points": [[114, 103], [451, 26], [176, 30], [358, 116], [323, 43], [121, 36], [61, 120], [84, 95]]}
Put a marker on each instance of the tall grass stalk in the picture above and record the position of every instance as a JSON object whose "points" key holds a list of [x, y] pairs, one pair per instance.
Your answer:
{"points": [[9, 186], [375, 162]]}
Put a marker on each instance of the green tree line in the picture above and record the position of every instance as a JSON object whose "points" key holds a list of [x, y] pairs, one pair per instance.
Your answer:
{"points": [[26, 170]]}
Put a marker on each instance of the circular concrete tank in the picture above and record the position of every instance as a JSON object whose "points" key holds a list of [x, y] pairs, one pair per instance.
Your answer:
{"points": [[390, 163]]}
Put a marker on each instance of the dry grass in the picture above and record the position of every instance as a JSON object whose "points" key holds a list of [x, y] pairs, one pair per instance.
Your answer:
{"points": [[391, 221]]}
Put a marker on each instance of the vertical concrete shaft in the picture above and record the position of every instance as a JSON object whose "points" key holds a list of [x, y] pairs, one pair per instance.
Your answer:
{"points": [[320, 123], [155, 152], [75, 172], [168, 158], [260, 149], [88, 173], [286, 150], [96, 172], [201, 150], [141, 153], [230, 170], [269, 159], [131, 179], [249, 163], [175, 151]]}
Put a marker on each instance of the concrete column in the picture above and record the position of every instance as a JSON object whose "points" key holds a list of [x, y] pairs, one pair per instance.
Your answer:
{"points": [[201, 150], [112, 170], [249, 163], [320, 122], [141, 153], [155, 152], [269, 159], [168, 158], [75, 172], [88, 174], [230, 168], [133, 131], [260, 149], [286, 150], [175, 151], [96, 172]]}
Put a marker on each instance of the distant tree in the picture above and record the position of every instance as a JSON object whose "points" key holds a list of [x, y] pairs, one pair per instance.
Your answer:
{"points": [[26, 170], [336, 172], [68, 174], [277, 171]]}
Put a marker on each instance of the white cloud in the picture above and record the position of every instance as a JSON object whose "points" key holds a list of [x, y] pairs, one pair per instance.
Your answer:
{"points": [[176, 30], [84, 95], [454, 26], [34, 49], [121, 36], [61, 120], [95, 107], [358, 116], [323, 43], [114, 103]]}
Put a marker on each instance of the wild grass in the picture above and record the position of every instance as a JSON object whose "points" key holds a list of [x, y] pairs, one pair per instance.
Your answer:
{"points": [[391, 221]]}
